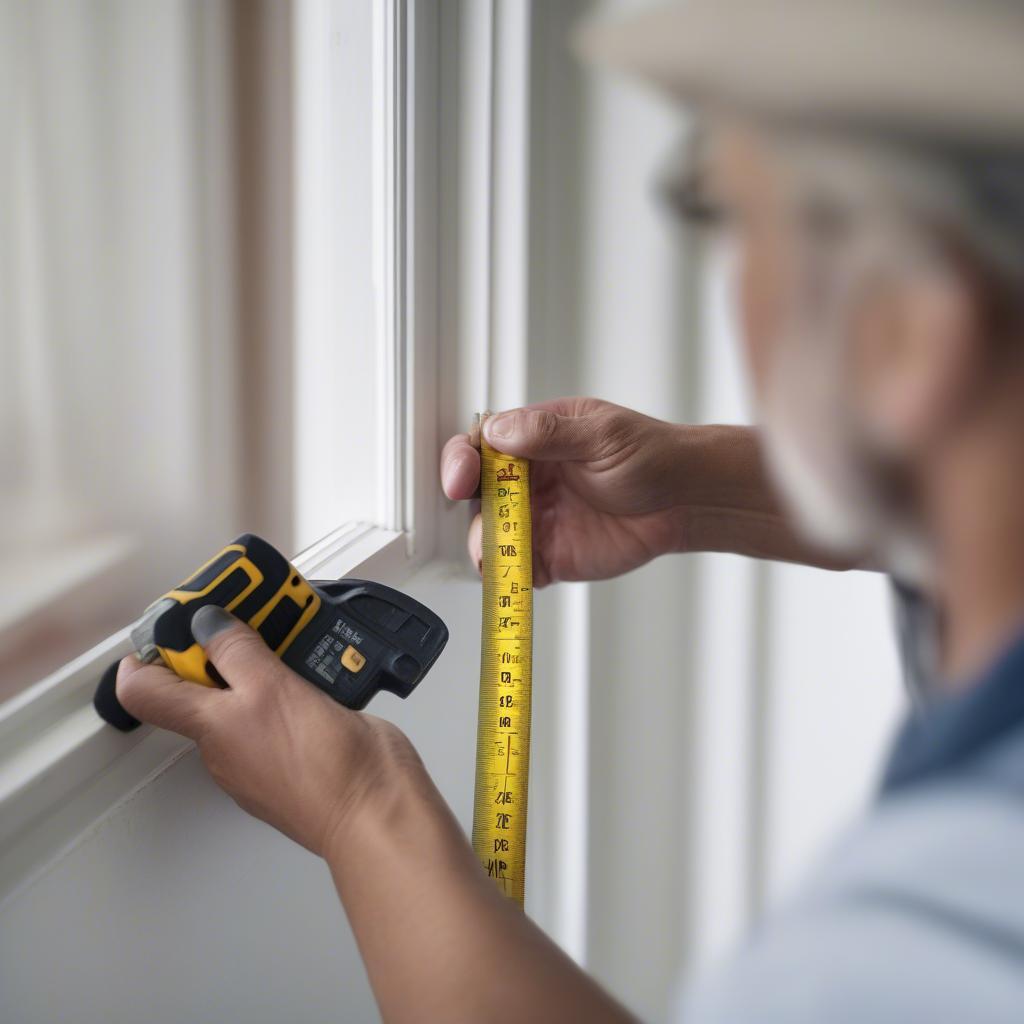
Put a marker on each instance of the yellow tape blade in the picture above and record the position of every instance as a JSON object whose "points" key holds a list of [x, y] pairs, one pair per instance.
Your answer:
{"points": [[506, 664]]}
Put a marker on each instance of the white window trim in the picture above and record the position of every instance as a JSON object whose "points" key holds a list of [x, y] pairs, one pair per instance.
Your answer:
{"points": [[61, 768], [411, 271], [454, 82]]}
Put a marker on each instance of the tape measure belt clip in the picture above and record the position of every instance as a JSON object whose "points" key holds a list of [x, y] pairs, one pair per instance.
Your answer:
{"points": [[380, 642]]}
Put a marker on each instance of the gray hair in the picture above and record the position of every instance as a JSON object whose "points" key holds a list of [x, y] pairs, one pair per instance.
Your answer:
{"points": [[975, 197], [864, 208], [974, 200]]}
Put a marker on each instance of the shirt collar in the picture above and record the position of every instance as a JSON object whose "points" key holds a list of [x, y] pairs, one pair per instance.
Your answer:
{"points": [[948, 731]]}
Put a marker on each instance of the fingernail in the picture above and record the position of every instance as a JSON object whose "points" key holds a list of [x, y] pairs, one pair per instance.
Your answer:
{"points": [[209, 621], [499, 426]]}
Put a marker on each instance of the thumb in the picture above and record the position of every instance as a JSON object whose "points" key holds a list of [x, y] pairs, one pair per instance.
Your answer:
{"points": [[542, 434], [237, 652], [154, 694]]}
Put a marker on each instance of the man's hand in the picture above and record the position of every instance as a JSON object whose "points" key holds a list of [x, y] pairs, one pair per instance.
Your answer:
{"points": [[284, 751], [439, 941], [613, 489], [604, 480]]}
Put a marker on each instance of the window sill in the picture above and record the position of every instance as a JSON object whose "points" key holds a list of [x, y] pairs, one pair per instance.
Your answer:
{"points": [[62, 768]]}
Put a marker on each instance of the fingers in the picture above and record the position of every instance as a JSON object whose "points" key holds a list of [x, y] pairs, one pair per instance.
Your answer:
{"points": [[541, 431], [460, 468], [237, 652], [475, 542], [541, 434], [154, 694]]}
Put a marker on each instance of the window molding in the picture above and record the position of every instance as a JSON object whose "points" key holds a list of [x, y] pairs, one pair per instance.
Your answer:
{"points": [[390, 242], [62, 768], [413, 110]]}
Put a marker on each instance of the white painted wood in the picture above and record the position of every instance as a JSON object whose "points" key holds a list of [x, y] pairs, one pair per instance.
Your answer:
{"points": [[464, 236], [509, 212], [559, 873], [475, 111], [422, 186], [51, 743], [566, 762], [344, 423], [390, 239], [724, 774]]}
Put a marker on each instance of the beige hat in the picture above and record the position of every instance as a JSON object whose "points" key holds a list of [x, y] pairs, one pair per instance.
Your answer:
{"points": [[953, 69]]}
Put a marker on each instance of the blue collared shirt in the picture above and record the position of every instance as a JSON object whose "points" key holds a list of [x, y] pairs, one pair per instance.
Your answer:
{"points": [[917, 914], [947, 732]]}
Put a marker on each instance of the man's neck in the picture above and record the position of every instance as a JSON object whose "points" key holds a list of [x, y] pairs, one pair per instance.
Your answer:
{"points": [[976, 503]]}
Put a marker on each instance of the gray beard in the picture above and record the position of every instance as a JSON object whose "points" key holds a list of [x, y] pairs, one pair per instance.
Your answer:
{"points": [[835, 490]]}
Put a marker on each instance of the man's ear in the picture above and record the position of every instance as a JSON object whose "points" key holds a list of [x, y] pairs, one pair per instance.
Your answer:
{"points": [[917, 355]]}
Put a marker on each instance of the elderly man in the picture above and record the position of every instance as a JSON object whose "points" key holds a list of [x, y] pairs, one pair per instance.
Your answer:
{"points": [[868, 160]]}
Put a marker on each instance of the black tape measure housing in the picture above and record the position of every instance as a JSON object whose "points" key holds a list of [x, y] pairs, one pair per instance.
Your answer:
{"points": [[391, 641], [365, 636]]}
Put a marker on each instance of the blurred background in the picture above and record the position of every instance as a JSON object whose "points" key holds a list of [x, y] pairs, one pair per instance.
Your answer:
{"points": [[187, 324]]}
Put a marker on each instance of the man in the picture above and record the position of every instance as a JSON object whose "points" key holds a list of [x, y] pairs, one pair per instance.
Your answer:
{"points": [[867, 158]]}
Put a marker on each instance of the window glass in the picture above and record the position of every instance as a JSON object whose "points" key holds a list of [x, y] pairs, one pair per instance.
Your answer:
{"points": [[187, 320]]}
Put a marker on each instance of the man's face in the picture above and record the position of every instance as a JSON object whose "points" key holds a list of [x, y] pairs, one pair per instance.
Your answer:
{"points": [[853, 338], [794, 357]]}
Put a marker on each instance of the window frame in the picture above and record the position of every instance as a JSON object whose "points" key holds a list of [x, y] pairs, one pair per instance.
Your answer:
{"points": [[62, 769]]}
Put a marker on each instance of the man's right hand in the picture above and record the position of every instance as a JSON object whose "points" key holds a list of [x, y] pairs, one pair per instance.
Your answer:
{"points": [[605, 485]]}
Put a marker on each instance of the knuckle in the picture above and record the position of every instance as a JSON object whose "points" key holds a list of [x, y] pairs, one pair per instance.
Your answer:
{"points": [[545, 425], [241, 656], [128, 673], [132, 684], [613, 429], [237, 646]]}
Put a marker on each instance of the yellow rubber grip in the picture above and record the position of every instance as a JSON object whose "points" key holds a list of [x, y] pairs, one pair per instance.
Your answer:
{"points": [[191, 663]]}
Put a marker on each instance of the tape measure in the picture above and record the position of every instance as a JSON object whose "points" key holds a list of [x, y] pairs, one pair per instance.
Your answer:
{"points": [[350, 638], [506, 665]]}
